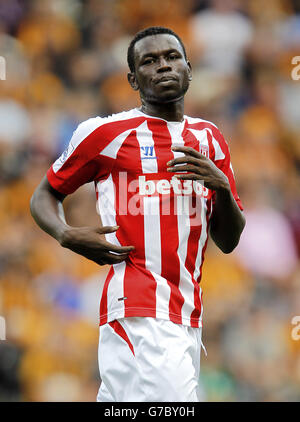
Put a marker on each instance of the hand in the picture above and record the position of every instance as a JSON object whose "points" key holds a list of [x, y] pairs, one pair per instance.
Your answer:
{"points": [[90, 242], [199, 168]]}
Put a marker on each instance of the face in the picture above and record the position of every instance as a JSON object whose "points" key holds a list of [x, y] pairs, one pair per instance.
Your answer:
{"points": [[162, 73]]}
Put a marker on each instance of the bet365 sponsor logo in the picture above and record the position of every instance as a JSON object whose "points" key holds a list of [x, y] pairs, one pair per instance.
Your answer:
{"points": [[296, 330], [158, 194], [2, 328], [175, 186]]}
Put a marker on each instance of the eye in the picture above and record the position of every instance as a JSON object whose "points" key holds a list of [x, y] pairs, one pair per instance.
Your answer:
{"points": [[173, 56], [148, 61]]}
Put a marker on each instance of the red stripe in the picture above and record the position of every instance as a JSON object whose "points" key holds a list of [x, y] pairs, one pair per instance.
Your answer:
{"points": [[103, 301], [208, 213], [117, 327], [162, 143], [197, 300], [193, 242], [170, 268]]}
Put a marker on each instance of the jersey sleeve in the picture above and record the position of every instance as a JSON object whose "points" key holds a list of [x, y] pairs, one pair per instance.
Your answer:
{"points": [[222, 160], [80, 163]]}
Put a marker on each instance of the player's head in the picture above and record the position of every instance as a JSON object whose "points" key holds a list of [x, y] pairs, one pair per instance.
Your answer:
{"points": [[153, 30], [158, 65]]}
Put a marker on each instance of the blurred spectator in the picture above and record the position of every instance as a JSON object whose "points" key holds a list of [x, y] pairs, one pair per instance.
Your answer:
{"points": [[11, 13], [15, 124], [267, 247], [214, 40], [66, 62], [10, 356]]}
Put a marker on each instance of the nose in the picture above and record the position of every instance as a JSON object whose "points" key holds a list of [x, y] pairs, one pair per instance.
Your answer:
{"points": [[163, 65]]}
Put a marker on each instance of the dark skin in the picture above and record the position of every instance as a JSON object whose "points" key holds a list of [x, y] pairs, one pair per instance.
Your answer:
{"points": [[47, 210], [162, 76], [159, 58]]}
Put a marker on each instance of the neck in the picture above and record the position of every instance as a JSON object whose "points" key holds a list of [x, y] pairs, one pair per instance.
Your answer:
{"points": [[172, 111]]}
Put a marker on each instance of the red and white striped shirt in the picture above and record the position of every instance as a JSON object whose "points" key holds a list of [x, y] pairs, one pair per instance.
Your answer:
{"points": [[166, 219]]}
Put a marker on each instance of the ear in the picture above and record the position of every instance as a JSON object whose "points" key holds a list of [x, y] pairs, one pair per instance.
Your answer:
{"points": [[190, 70], [132, 80]]}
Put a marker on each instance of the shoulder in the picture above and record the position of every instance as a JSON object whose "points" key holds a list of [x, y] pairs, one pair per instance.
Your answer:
{"points": [[106, 125], [201, 124], [93, 123], [219, 143], [198, 120]]}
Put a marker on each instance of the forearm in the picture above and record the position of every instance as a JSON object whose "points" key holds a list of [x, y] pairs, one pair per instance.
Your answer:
{"points": [[48, 212], [227, 222]]}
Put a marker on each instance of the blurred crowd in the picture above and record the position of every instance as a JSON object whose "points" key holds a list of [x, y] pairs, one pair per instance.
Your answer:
{"points": [[66, 62]]}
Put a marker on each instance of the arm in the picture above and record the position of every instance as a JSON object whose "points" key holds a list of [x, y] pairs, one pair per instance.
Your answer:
{"points": [[48, 212], [227, 222]]}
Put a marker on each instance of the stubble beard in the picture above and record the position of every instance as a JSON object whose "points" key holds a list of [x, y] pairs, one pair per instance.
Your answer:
{"points": [[146, 97]]}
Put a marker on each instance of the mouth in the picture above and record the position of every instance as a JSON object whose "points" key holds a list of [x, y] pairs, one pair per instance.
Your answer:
{"points": [[165, 80]]}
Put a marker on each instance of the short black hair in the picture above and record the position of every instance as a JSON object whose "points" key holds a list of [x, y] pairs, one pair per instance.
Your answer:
{"points": [[152, 30]]}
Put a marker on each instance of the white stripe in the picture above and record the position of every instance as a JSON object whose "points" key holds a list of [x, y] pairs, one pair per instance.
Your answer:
{"points": [[175, 130], [106, 206], [112, 149], [145, 139], [152, 233], [219, 155], [201, 315], [200, 135], [153, 252], [194, 120]]}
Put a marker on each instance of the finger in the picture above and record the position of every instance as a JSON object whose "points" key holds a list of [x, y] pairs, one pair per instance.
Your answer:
{"points": [[107, 229], [185, 159], [190, 176], [187, 151], [186, 167], [118, 249], [107, 258], [114, 259], [110, 246]]}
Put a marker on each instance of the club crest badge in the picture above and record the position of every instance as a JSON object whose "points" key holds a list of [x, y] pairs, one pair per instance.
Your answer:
{"points": [[203, 149]]}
